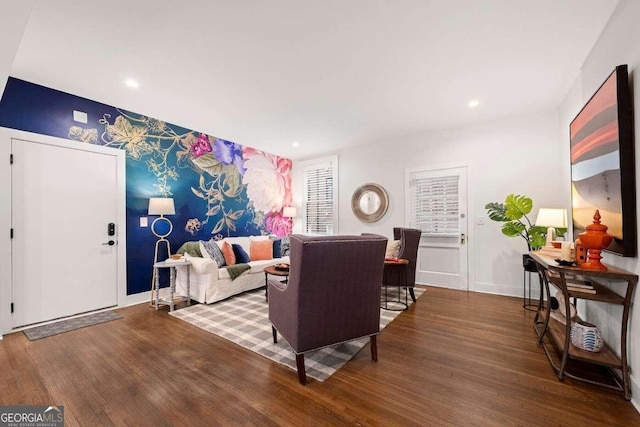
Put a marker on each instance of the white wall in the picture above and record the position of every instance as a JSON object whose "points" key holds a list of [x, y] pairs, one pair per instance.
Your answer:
{"points": [[14, 15], [521, 155], [618, 44]]}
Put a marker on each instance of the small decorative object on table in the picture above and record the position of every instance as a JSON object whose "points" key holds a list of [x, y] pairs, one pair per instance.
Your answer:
{"points": [[595, 239], [586, 336], [282, 266]]}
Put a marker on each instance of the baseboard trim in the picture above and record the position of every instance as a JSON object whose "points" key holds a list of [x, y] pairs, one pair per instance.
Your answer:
{"points": [[138, 298]]}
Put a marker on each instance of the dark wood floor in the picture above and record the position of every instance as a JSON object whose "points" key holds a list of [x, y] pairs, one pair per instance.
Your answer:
{"points": [[454, 359]]}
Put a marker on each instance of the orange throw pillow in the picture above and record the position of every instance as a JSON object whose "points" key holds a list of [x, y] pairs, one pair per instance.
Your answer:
{"points": [[261, 249], [229, 256]]}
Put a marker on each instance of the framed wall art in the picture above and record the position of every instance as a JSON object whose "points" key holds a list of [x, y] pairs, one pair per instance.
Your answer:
{"points": [[602, 163]]}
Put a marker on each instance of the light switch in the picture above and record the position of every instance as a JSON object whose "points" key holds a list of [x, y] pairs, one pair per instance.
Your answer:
{"points": [[479, 220], [143, 221], [80, 116]]}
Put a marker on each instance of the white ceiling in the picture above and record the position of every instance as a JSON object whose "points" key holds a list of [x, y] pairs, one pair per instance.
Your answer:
{"points": [[328, 74]]}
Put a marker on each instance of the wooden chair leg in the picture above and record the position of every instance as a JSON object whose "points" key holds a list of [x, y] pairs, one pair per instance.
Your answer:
{"points": [[275, 334], [302, 375], [413, 296], [374, 348]]}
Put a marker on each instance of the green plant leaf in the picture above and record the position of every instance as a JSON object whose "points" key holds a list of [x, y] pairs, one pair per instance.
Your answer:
{"points": [[517, 206], [537, 237], [496, 211], [513, 228]]}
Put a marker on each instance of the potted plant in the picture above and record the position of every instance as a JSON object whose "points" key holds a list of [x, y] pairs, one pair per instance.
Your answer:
{"points": [[513, 214]]}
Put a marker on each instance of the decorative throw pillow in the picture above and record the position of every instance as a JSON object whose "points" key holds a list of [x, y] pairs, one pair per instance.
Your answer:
{"points": [[393, 249], [242, 257], [229, 256], [261, 249], [284, 244], [213, 252], [193, 248], [277, 248]]}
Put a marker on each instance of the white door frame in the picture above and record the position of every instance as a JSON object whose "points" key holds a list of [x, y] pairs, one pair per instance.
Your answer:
{"points": [[470, 238], [5, 215]]}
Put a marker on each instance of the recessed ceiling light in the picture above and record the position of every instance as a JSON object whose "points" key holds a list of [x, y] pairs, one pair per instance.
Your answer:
{"points": [[473, 103], [132, 83], [295, 144]]}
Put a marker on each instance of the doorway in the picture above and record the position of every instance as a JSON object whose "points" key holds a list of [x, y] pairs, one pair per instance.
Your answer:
{"points": [[436, 201], [67, 225]]}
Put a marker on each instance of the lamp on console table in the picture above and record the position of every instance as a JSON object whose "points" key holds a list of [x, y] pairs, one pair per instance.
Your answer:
{"points": [[552, 218], [595, 239]]}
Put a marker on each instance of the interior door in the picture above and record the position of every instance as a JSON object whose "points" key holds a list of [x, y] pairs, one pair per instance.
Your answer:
{"points": [[63, 200], [437, 205]]}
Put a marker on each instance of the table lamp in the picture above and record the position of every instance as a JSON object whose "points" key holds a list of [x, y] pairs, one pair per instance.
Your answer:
{"points": [[552, 218]]}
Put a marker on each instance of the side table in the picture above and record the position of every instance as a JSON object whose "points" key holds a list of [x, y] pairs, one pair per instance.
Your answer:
{"points": [[395, 275], [172, 300], [274, 272]]}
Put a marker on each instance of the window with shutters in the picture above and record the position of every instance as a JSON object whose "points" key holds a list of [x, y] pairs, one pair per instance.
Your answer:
{"points": [[319, 197], [433, 203]]}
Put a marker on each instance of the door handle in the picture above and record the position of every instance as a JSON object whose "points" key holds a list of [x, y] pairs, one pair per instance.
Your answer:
{"points": [[110, 243], [462, 238]]}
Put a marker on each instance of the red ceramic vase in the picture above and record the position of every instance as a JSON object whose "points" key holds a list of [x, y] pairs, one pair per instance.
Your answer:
{"points": [[595, 239]]}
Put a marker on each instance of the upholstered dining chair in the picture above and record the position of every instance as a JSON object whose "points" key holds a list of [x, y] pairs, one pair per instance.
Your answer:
{"points": [[409, 240], [332, 296]]}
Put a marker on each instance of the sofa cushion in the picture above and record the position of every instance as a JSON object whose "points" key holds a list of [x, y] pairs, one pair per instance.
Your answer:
{"points": [[229, 256], [242, 257], [285, 246], [192, 248], [261, 249], [210, 250], [393, 249], [277, 247]]}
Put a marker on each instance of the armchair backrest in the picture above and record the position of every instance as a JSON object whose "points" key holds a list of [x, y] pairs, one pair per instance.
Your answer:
{"points": [[333, 293], [409, 241]]}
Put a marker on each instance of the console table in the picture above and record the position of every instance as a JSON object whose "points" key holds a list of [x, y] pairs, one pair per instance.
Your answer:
{"points": [[560, 335]]}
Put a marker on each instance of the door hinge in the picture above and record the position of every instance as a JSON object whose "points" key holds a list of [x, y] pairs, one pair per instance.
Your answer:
{"points": [[11, 234], [12, 307], [10, 159]]}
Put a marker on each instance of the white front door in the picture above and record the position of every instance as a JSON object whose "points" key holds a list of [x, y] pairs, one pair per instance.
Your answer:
{"points": [[437, 205], [63, 200]]}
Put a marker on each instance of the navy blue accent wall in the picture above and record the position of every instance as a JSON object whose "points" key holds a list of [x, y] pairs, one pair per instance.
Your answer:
{"points": [[220, 188]]}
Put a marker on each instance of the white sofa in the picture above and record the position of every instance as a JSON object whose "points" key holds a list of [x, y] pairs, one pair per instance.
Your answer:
{"points": [[210, 283]]}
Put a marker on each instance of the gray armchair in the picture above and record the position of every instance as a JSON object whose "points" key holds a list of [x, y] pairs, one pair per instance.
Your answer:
{"points": [[332, 296]]}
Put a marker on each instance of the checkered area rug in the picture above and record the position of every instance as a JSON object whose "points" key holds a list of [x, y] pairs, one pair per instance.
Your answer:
{"points": [[244, 320], [56, 328]]}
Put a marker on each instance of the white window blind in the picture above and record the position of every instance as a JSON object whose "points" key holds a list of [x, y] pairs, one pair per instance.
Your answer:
{"points": [[319, 199], [434, 204]]}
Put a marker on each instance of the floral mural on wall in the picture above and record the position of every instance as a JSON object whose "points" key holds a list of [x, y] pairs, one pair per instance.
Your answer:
{"points": [[220, 188], [235, 184]]}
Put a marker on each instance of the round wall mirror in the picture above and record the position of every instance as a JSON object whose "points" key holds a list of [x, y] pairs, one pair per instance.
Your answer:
{"points": [[369, 202]]}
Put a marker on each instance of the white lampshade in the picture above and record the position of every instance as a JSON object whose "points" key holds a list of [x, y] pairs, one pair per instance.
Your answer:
{"points": [[161, 206], [552, 218], [289, 212]]}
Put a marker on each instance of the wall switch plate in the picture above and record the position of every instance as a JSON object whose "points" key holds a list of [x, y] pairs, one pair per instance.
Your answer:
{"points": [[480, 220], [80, 116], [143, 221]]}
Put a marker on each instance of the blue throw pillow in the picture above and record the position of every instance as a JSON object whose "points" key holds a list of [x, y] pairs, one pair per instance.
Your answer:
{"points": [[242, 257], [214, 251], [277, 248]]}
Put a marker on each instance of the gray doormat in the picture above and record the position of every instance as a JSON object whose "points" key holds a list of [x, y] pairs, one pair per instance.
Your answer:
{"points": [[244, 320], [56, 328]]}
